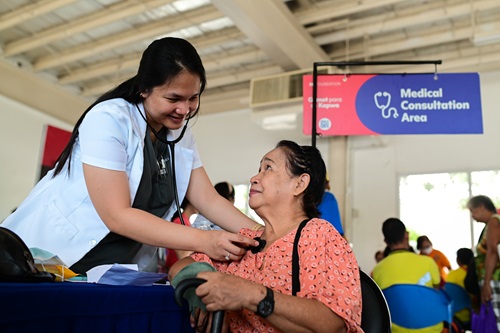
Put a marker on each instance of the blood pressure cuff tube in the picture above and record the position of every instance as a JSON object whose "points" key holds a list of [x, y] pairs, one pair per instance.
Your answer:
{"points": [[191, 271]]}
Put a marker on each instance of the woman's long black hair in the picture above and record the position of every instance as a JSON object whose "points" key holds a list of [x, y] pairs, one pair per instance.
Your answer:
{"points": [[162, 61]]}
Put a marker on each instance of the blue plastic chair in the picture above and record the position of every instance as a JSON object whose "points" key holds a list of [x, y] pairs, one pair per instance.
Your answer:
{"points": [[415, 306], [459, 296]]}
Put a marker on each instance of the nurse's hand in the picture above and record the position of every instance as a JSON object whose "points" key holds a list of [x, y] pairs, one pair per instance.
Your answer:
{"points": [[225, 246]]}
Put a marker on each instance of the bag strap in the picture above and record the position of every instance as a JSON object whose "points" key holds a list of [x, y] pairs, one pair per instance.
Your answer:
{"points": [[295, 259]]}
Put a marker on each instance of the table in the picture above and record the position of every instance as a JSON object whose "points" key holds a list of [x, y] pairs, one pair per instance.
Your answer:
{"points": [[84, 307]]}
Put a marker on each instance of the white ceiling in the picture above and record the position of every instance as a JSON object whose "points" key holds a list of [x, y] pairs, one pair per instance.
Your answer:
{"points": [[85, 47]]}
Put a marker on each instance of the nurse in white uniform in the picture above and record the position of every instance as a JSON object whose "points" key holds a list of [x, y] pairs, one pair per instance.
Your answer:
{"points": [[130, 161]]}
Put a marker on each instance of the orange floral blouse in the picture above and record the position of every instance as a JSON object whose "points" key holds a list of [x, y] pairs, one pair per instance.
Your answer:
{"points": [[329, 273]]}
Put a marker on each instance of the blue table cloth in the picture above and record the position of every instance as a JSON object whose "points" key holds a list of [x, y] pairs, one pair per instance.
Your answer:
{"points": [[81, 307]]}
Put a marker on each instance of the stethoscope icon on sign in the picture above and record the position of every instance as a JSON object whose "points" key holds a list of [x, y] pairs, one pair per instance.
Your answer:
{"points": [[384, 108]]}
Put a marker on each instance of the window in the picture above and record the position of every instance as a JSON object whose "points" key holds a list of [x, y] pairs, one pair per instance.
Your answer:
{"points": [[435, 205]]}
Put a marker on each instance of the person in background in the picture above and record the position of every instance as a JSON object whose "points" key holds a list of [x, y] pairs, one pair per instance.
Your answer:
{"points": [[187, 210], [226, 191], [457, 276], [285, 193], [387, 250], [424, 245], [487, 262], [130, 162], [402, 266], [329, 208], [379, 255]]}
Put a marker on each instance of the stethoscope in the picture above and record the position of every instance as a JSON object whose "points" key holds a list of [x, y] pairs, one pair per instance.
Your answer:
{"points": [[384, 107], [171, 146]]}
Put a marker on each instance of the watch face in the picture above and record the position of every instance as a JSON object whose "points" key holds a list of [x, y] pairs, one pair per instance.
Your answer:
{"points": [[266, 308]]}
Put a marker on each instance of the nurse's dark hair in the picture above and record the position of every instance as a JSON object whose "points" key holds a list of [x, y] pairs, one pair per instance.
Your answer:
{"points": [[306, 159], [161, 62], [482, 200]]}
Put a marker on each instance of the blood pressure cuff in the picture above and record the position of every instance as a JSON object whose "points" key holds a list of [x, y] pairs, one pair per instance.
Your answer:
{"points": [[190, 271], [16, 260]]}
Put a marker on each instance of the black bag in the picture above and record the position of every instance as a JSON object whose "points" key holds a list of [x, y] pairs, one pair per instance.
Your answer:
{"points": [[16, 261]]}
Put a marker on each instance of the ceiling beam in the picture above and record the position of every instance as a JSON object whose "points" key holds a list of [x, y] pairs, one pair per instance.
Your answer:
{"points": [[243, 75], [372, 48], [31, 11], [132, 62], [359, 28], [327, 11], [472, 58], [105, 68], [141, 33], [248, 54], [212, 82], [224, 101], [28, 89], [273, 28], [114, 13]]}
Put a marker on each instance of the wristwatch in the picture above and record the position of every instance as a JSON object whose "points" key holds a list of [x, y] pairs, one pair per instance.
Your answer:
{"points": [[266, 306]]}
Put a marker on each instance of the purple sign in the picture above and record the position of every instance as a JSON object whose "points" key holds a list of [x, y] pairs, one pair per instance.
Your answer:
{"points": [[421, 104]]}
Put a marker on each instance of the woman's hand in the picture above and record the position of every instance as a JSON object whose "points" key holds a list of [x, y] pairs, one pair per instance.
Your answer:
{"points": [[291, 314], [225, 246], [202, 322], [486, 293], [227, 292]]}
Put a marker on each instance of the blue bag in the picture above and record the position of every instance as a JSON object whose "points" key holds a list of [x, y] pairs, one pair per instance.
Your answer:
{"points": [[485, 321]]}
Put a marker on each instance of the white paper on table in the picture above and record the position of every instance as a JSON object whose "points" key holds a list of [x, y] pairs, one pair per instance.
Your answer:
{"points": [[94, 274], [123, 275]]}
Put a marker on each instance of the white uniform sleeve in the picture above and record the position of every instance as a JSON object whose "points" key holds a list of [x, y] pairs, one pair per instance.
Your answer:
{"points": [[103, 139]]}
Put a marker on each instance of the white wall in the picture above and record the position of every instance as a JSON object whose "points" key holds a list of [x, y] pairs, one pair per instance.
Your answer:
{"points": [[231, 146], [22, 130]]}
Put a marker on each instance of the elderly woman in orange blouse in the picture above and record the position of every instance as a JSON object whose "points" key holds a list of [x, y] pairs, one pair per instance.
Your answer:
{"points": [[257, 292]]}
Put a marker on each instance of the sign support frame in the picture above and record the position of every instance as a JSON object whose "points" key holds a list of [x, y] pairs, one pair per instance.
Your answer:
{"points": [[314, 132]]}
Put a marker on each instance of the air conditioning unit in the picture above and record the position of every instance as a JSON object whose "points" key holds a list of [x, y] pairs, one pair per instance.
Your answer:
{"points": [[276, 101]]}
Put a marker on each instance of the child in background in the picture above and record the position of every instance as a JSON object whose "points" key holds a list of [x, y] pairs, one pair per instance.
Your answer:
{"points": [[457, 276]]}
